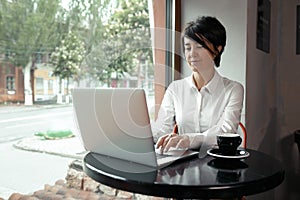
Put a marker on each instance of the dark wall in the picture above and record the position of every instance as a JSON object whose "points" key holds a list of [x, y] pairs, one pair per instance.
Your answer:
{"points": [[273, 93]]}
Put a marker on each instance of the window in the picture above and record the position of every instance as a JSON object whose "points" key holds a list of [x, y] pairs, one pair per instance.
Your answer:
{"points": [[102, 44], [50, 84], [39, 86], [39, 83], [10, 83]]}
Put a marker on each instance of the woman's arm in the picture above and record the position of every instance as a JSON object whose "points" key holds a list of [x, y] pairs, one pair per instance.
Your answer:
{"points": [[226, 116], [227, 122], [166, 117]]}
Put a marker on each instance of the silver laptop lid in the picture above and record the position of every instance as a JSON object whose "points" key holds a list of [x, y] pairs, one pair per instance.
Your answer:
{"points": [[115, 122]]}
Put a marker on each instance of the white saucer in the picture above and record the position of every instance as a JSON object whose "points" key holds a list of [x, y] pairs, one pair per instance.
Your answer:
{"points": [[218, 154]]}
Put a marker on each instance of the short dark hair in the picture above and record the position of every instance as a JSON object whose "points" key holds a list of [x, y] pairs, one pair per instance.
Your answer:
{"points": [[206, 31]]}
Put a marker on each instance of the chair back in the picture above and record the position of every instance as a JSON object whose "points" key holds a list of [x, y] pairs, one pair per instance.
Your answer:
{"points": [[243, 133]]}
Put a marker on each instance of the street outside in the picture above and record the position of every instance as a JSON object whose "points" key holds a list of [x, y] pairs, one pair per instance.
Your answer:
{"points": [[27, 162], [28, 171]]}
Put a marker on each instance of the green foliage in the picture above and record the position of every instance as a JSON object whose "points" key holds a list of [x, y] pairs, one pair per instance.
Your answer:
{"points": [[126, 41], [115, 34], [85, 18], [55, 134], [67, 58], [27, 28]]}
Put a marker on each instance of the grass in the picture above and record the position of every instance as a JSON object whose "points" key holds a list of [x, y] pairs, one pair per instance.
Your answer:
{"points": [[55, 134]]}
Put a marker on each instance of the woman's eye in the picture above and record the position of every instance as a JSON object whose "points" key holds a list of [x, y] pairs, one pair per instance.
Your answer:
{"points": [[187, 48]]}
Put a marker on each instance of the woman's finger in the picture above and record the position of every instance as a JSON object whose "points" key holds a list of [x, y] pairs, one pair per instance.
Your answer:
{"points": [[183, 143], [166, 141], [160, 141], [172, 142]]}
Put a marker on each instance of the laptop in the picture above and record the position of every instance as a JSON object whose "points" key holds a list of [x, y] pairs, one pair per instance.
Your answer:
{"points": [[115, 122]]}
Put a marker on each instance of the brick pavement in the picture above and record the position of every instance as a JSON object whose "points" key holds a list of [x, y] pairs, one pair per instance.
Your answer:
{"points": [[78, 186], [59, 191]]}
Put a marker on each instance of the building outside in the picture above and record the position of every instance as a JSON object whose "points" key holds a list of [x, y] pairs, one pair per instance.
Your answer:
{"points": [[11, 83], [46, 87]]}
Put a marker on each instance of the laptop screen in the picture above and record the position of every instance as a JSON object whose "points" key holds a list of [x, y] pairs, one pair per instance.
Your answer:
{"points": [[115, 122]]}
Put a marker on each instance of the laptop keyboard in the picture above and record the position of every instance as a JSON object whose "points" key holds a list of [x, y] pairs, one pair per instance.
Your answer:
{"points": [[165, 158], [172, 155], [162, 156]]}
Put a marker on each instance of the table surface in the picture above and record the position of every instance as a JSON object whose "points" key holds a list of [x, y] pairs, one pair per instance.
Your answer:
{"points": [[206, 177]]}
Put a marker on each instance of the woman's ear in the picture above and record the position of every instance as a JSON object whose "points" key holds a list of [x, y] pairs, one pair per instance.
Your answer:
{"points": [[220, 48]]}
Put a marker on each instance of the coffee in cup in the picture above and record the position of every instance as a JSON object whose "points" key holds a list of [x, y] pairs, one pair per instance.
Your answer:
{"points": [[228, 143]]}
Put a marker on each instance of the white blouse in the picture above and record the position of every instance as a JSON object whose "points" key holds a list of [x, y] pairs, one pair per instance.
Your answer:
{"points": [[200, 114]]}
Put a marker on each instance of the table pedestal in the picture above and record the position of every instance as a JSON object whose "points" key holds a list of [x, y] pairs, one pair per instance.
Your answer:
{"points": [[297, 138]]}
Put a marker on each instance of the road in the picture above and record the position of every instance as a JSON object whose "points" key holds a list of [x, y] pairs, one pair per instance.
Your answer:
{"points": [[25, 122], [24, 171]]}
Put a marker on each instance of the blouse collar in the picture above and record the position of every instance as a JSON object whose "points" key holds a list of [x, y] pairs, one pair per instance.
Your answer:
{"points": [[211, 86]]}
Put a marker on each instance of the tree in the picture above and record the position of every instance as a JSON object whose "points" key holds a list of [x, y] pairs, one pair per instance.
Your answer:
{"points": [[67, 58], [126, 41], [28, 30], [85, 18]]}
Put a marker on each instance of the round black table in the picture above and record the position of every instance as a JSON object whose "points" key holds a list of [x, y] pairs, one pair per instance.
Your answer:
{"points": [[206, 177]]}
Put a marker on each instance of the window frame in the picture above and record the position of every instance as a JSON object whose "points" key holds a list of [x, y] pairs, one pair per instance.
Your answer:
{"points": [[167, 55], [10, 85]]}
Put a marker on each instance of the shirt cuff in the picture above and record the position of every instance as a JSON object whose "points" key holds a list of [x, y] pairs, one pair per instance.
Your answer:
{"points": [[196, 139], [204, 140]]}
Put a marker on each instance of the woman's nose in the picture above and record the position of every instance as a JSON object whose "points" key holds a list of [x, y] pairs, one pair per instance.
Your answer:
{"points": [[193, 52]]}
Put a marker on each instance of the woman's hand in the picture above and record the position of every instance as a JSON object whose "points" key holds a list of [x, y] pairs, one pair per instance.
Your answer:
{"points": [[172, 140]]}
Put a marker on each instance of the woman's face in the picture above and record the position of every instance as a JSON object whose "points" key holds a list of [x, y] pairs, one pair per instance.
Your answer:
{"points": [[198, 57]]}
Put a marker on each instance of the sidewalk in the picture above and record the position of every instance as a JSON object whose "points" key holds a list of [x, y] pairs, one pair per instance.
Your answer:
{"points": [[76, 185], [68, 147], [11, 108]]}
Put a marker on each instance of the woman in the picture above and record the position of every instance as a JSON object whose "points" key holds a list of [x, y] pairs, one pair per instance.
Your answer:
{"points": [[205, 103]]}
